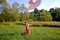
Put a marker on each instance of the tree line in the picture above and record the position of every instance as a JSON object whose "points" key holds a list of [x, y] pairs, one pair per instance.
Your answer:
{"points": [[19, 13]]}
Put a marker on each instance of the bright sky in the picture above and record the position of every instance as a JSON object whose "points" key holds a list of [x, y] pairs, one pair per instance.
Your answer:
{"points": [[45, 4]]}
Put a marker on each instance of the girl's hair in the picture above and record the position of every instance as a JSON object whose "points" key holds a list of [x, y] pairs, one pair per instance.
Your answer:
{"points": [[25, 22]]}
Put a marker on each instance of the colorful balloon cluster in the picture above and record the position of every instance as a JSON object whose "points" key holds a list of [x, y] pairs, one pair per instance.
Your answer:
{"points": [[33, 5]]}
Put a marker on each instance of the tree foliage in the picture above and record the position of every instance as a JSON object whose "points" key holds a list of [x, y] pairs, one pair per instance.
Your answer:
{"points": [[24, 16], [44, 16], [20, 13], [3, 1], [55, 13]]}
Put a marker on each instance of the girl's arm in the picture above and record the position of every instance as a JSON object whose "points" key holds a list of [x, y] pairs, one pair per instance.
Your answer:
{"points": [[30, 24]]}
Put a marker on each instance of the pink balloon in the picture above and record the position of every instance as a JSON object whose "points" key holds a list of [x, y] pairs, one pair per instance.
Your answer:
{"points": [[34, 4]]}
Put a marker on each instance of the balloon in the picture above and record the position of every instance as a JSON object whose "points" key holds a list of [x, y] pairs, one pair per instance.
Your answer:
{"points": [[33, 5]]}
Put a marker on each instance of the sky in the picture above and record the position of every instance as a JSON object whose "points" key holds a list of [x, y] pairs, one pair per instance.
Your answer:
{"points": [[45, 4]]}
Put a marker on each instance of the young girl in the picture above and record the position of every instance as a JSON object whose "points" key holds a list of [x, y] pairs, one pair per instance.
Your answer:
{"points": [[26, 28]]}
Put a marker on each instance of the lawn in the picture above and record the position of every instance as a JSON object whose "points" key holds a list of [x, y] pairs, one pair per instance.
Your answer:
{"points": [[15, 32]]}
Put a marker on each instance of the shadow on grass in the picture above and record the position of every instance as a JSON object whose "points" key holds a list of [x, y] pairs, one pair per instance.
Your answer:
{"points": [[23, 33], [52, 26], [45, 25], [6, 34]]}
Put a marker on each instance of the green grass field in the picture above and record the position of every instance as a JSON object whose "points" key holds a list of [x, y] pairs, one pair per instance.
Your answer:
{"points": [[15, 32]]}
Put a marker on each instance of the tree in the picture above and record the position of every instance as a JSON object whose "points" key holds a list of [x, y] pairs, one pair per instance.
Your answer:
{"points": [[15, 15], [22, 8], [15, 12], [1, 18], [44, 16], [35, 10], [10, 14], [15, 5], [4, 5], [3, 1], [4, 14], [53, 14], [35, 13], [31, 15], [57, 12], [24, 16]]}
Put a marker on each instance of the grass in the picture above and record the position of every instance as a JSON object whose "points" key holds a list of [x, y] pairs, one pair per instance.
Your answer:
{"points": [[51, 24], [15, 32]]}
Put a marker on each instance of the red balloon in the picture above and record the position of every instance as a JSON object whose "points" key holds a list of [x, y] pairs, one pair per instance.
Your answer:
{"points": [[33, 5]]}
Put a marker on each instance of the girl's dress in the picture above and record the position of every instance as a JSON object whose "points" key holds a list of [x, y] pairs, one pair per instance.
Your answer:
{"points": [[27, 30]]}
